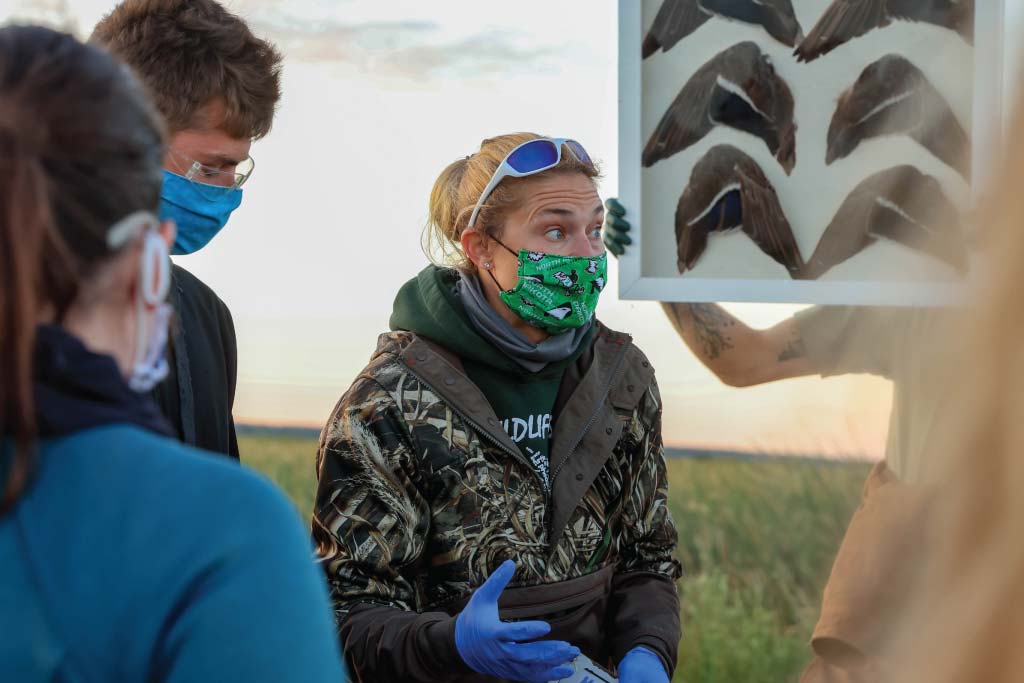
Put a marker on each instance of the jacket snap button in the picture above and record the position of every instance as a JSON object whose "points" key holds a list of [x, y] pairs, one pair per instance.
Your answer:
{"points": [[579, 477], [608, 431], [449, 381], [646, 364], [630, 388]]}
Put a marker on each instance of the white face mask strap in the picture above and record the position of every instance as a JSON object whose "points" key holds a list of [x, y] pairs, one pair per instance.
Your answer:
{"points": [[130, 226], [149, 363], [150, 366], [155, 271], [154, 282]]}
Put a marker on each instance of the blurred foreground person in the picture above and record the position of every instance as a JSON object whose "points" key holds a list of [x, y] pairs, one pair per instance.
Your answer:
{"points": [[217, 87], [968, 621], [124, 556], [865, 587], [502, 442]]}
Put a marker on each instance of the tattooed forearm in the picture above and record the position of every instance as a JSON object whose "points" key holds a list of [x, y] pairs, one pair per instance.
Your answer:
{"points": [[794, 349], [711, 324]]}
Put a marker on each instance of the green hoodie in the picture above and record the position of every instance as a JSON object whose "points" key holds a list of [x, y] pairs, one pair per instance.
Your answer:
{"points": [[429, 306]]}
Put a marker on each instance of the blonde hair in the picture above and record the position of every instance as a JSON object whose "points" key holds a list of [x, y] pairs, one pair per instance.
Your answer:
{"points": [[968, 618], [458, 188]]}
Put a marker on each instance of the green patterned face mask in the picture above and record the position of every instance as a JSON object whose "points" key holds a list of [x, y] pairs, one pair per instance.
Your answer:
{"points": [[556, 293]]}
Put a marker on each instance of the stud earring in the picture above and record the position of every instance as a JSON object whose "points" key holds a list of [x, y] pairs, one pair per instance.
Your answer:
{"points": [[487, 265]]}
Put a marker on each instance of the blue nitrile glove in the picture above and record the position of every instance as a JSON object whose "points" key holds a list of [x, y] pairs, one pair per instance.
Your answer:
{"points": [[493, 647], [640, 665], [615, 232]]}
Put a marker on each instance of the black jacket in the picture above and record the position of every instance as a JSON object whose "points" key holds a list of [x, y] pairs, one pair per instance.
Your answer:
{"points": [[199, 393]]}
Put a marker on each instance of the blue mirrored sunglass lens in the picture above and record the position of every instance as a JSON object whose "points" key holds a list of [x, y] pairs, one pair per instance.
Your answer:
{"points": [[533, 156], [578, 150]]}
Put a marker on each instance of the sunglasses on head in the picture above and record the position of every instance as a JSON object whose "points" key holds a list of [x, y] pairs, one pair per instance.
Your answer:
{"points": [[529, 158]]}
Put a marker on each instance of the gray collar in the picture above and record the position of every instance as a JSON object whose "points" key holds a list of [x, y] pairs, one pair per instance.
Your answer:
{"points": [[510, 341]]}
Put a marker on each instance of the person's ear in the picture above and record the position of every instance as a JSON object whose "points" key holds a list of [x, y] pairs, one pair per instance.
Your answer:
{"points": [[478, 247], [126, 276]]}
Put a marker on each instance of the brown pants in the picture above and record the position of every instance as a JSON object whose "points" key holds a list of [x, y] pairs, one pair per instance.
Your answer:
{"points": [[872, 574]]}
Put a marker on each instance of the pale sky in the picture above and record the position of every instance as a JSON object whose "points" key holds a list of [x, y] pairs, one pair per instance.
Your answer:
{"points": [[378, 98]]}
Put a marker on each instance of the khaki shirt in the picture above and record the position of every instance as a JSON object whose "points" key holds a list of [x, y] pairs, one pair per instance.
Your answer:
{"points": [[910, 346]]}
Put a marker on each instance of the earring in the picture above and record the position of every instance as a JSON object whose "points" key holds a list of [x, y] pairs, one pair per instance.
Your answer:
{"points": [[487, 265]]}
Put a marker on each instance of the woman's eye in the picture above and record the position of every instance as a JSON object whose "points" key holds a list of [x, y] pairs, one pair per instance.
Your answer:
{"points": [[555, 234], [596, 233]]}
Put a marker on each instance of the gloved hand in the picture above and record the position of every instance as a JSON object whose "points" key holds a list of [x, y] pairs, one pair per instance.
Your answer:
{"points": [[494, 648], [640, 665], [615, 232]]}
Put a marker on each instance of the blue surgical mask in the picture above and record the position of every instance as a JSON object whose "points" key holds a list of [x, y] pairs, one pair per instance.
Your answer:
{"points": [[199, 215]]}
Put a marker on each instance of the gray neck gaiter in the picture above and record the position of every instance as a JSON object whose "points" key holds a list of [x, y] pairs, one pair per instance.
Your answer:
{"points": [[507, 339]]}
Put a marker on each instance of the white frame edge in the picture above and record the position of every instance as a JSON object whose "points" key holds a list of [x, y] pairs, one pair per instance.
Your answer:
{"points": [[630, 132], [986, 133]]}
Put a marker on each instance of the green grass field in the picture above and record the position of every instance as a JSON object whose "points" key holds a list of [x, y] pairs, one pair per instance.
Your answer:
{"points": [[756, 540]]}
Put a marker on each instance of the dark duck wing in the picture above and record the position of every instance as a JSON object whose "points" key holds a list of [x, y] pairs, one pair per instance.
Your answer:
{"points": [[900, 204], [843, 21], [727, 190], [893, 97], [738, 88], [763, 219], [675, 20], [776, 16], [710, 203]]}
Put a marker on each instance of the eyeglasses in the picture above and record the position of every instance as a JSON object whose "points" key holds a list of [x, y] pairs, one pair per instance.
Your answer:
{"points": [[213, 182], [529, 158]]}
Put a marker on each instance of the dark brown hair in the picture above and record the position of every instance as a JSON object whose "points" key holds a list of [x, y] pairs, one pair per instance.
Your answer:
{"points": [[460, 184], [80, 148], [190, 53]]}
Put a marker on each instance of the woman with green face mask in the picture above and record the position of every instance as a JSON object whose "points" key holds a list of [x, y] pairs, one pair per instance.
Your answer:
{"points": [[502, 442]]}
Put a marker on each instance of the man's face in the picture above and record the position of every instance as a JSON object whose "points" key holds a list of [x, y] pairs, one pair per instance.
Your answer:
{"points": [[208, 144]]}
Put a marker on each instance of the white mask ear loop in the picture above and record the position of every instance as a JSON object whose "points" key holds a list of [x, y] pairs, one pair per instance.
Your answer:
{"points": [[150, 362], [155, 269]]}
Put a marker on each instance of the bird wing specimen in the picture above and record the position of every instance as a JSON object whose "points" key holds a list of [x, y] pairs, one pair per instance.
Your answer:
{"points": [[728, 190], [676, 19], [893, 97], [737, 88], [900, 204], [845, 20], [776, 16]]}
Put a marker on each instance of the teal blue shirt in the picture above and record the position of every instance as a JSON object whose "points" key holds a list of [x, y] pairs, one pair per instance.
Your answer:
{"points": [[133, 558]]}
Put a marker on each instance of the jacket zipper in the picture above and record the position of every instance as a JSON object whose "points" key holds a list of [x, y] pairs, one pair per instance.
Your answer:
{"points": [[579, 438], [593, 416], [482, 432]]}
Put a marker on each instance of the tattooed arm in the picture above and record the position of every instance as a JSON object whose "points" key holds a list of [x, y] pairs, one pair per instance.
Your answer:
{"points": [[739, 355]]}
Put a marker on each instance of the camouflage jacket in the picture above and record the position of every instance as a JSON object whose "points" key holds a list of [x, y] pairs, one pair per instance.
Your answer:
{"points": [[421, 494]]}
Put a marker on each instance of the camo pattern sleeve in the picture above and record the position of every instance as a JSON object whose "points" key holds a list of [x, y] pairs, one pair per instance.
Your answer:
{"points": [[370, 521], [644, 605], [648, 538]]}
